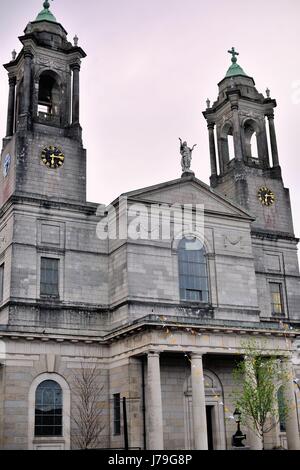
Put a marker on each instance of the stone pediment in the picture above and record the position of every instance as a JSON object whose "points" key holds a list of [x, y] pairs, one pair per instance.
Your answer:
{"points": [[188, 190]]}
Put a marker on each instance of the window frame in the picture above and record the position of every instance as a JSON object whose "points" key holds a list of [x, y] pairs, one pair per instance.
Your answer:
{"points": [[282, 304], [64, 442], [44, 294], [190, 271], [39, 415]]}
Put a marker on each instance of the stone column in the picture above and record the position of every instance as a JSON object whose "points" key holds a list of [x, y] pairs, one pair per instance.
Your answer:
{"points": [[198, 400], [264, 145], [273, 140], [212, 149], [11, 107], [76, 93], [27, 82], [292, 429], [253, 440], [155, 418], [236, 131]]}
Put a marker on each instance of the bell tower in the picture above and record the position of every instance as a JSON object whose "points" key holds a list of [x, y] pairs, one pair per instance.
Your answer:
{"points": [[241, 122], [43, 155]]}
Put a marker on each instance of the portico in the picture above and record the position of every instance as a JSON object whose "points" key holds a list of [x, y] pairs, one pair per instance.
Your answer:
{"points": [[188, 392]]}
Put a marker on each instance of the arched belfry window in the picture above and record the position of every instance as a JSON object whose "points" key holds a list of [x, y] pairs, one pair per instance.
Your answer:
{"points": [[251, 133], [227, 143], [48, 409], [193, 279], [49, 94]]}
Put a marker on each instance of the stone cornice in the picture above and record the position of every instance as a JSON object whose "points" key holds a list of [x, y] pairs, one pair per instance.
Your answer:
{"points": [[152, 322], [264, 235], [88, 208]]}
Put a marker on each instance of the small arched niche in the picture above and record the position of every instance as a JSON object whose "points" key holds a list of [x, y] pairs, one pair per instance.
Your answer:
{"points": [[49, 94]]}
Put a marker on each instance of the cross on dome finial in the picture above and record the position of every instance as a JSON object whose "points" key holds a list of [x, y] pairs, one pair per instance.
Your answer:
{"points": [[46, 14], [234, 53], [46, 5]]}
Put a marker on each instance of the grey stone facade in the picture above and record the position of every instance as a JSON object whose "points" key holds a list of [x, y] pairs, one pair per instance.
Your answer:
{"points": [[119, 307]]}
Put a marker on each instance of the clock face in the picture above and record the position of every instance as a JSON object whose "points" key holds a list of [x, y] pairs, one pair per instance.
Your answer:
{"points": [[6, 165], [266, 196], [53, 157]]}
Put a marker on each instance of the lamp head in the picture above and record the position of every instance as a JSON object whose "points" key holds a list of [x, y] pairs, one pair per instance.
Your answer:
{"points": [[237, 415]]}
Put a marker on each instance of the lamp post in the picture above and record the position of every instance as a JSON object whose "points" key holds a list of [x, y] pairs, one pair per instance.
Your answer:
{"points": [[238, 437]]}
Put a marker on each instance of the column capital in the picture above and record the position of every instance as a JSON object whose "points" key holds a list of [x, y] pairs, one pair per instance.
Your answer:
{"points": [[28, 54], [211, 125], [12, 80], [270, 116], [75, 66], [286, 359], [196, 355], [153, 353]]}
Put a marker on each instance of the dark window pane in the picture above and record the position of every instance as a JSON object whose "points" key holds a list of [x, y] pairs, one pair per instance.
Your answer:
{"points": [[117, 414], [49, 277], [193, 280], [48, 411], [276, 298]]}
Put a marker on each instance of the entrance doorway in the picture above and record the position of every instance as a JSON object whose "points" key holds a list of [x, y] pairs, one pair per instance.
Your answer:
{"points": [[209, 423], [214, 413]]}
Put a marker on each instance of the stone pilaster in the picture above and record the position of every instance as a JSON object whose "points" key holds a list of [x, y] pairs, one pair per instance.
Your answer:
{"points": [[76, 94], [27, 82], [273, 140], [11, 107], [236, 129], [292, 428]]}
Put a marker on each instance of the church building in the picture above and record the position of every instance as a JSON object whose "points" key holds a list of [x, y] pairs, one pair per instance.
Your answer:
{"points": [[163, 319]]}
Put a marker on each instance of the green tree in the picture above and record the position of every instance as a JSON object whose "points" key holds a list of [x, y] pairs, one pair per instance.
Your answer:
{"points": [[258, 378]]}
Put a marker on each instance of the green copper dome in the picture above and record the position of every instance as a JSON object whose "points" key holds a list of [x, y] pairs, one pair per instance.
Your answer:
{"points": [[234, 69], [45, 14]]}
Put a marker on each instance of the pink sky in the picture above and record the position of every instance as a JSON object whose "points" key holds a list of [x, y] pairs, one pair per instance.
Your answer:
{"points": [[151, 66]]}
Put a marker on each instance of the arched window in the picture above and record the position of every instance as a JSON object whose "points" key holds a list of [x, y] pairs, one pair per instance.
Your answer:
{"points": [[227, 143], [251, 132], [49, 94], [193, 279], [49, 409]]}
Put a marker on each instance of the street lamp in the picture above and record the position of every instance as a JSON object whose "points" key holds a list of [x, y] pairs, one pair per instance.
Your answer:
{"points": [[238, 437], [296, 382]]}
